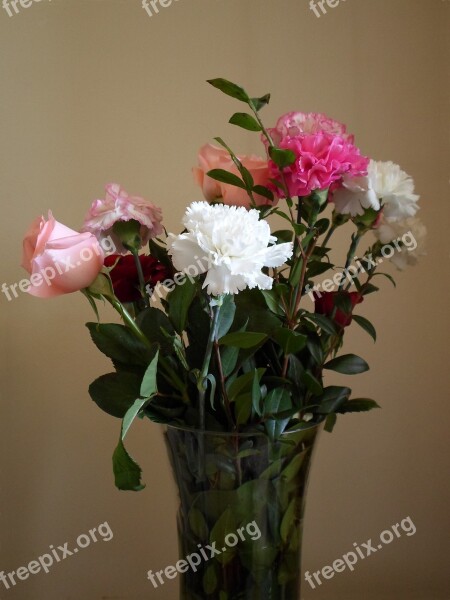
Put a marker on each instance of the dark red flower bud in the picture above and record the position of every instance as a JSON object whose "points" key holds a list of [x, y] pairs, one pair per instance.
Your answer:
{"points": [[325, 305], [125, 277]]}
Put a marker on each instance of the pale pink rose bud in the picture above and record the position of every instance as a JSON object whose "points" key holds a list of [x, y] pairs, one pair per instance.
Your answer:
{"points": [[58, 259]]}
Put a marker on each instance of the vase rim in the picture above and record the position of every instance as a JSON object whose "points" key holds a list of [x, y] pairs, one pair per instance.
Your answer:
{"points": [[209, 432]]}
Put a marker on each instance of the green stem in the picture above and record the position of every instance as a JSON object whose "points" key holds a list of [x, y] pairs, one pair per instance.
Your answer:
{"points": [[203, 381], [141, 277], [356, 237], [128, 320]]}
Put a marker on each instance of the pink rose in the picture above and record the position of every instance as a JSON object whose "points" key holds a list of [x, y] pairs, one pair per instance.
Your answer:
{"points": [[211, 157], [322, 159], [119, 206], [58, 259]]}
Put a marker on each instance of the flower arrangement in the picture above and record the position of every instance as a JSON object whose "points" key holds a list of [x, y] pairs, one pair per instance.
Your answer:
{"points": [[217, 341], [232, 346]]}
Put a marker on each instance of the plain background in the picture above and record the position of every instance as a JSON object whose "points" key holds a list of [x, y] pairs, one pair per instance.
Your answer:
{"points": [[97, 91]]}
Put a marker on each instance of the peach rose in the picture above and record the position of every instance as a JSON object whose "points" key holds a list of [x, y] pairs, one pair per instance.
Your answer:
{"points": [[211, 157], [58, 259]]}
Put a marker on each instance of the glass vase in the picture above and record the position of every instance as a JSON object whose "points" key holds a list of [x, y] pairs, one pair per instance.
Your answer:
{"points": [[242, 498]]}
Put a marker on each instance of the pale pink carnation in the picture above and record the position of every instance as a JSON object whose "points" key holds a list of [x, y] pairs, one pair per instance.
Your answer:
{"points": [[322, 159], [119, 206], [297, 123]]}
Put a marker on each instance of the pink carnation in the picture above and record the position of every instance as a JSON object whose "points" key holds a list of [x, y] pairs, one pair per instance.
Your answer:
{"points": [[322, 159], [119, 206], [296, 123]]}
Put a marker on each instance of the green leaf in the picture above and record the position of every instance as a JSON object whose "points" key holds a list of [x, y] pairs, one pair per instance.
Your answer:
{"points": [[243, 384], [343, 303], [198, 524], [180, 299], [333, 398], [226, 316], [366, 325], [256, 394], [330, 422], [261, 190], [127, 472], [277, 401], [312, 383], [288, 521], [148, 386], [290, 341], [229, 356], [347, 364], [369, 288], [358, 405], [273, 301], [243, 408], [226, 177], [282, 158], [296, 272], [295, 371], [230, 89], [245, 121], [316, 267], [325, 324], [153, 322], [224, 525], [293, 466], [259, 103], [247, 339], [115, 393], [283, 235], [322, 225], [315, 348], [118, 343], [210, 580]]}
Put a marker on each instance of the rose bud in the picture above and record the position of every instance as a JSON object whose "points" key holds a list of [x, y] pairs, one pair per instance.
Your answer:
{"points": [[59, 260], [125, 278], [324, 305]]}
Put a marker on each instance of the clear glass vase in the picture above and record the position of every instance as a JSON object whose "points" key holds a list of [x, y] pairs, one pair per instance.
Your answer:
{"points": [[242, 497]]}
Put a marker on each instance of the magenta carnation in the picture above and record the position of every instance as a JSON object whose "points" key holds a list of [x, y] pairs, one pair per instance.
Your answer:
{"points": [[293, 124], [322, 159]]}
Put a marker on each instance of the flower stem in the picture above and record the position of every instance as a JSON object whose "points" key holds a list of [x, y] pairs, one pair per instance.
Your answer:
{"points": [[356, 237], [141, 277], [203, 381], [128, 320]]}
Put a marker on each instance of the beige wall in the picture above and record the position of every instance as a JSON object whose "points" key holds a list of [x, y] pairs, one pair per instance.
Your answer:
{"points": [[94, 91]]}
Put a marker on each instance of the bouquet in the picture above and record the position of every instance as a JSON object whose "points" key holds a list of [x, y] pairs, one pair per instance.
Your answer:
{"points": [[227, 328]]}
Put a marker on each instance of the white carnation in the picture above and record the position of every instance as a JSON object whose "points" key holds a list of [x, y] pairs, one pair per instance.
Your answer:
{"points": [[355, 196], [231, 244], [411, 233], [386, 184], [395, 189]]}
